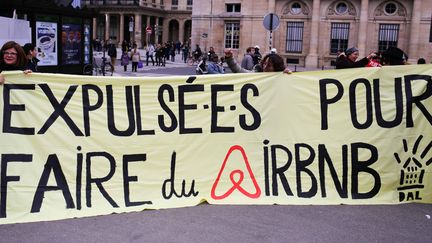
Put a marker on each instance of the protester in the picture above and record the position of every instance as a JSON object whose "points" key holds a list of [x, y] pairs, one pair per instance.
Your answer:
{"points": [[213, 66], [197, 53], [31, 52], [270, 63], [210, 53], [348, 59], [421, 60], [125, 59], [13, 57], [247, 62], [394, 56], [257, 55], [136, 57]]}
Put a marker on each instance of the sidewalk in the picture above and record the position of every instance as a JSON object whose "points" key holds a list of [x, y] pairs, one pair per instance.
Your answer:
{"points": [[145, 70]]}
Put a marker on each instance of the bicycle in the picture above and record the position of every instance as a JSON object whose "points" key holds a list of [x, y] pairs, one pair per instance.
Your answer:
{"points": [[105, 68], [192, 61]]}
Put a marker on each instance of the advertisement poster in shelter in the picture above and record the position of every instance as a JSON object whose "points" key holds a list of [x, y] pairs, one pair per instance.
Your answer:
{"points": [[46, 43], [71, 43]]}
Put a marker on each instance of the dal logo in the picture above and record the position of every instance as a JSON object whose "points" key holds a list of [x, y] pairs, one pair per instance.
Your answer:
{"points": [[413, 169], [236, 182]]}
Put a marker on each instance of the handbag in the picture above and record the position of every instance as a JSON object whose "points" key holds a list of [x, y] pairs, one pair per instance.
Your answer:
{"points": [[140, 64]]}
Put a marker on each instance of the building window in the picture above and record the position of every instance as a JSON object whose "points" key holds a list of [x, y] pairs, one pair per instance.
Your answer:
{"points": [[232, 35], [233, 7], [388, 36], [339, 37], [341, 8], [390, 8], [296, 8], [189, 5], [294, 41], [174, 4]]}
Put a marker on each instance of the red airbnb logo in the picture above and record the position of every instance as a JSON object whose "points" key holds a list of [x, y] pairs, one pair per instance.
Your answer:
{"points": [[236, 184]]}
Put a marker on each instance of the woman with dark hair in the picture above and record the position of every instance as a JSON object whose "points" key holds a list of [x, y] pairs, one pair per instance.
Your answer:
{"points": [[30, 51], [270, 63], [13, 57]]}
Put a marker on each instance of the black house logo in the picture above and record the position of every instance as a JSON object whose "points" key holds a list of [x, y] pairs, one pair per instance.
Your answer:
{"points": [[413, 163]]}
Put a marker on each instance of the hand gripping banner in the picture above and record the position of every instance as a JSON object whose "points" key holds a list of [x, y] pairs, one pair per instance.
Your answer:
{"points": [[76, 146]]}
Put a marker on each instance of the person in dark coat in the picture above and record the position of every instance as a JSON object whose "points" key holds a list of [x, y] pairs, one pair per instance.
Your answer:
{"points": [[394, 56], [348, 59], [31, 52]]}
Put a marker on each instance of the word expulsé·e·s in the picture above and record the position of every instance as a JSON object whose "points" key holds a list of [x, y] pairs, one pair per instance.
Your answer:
{"points": [[167, 122]]}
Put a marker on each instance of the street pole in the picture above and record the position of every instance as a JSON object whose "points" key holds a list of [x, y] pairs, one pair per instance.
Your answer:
{"points": [[271, 31]]}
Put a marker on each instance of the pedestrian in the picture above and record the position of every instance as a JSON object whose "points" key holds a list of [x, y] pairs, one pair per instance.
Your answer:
{"points": [[13, 57], [270, 63], [136, 57], [112, 53], [125, 46], [247, 62], [185, 50], [167, 50], [348, 59], [31, 52], [149, 53], [125, 59], [173, 53], [178, 46], [257, 55], [162, 53], [213, 66]]}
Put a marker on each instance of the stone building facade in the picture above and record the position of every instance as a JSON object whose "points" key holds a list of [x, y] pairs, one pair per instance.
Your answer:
{"points": [[311, 32], [141, 21]]}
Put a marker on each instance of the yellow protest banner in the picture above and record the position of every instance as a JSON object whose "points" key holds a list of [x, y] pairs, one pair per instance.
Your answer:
{"points": [[76, 146]]}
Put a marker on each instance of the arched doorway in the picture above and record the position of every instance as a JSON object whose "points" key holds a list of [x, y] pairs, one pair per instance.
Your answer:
{"points": [[187, 31], [173, 31]]}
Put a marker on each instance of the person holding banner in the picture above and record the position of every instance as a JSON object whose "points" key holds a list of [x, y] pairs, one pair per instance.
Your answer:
{"points": [[13, 57]]}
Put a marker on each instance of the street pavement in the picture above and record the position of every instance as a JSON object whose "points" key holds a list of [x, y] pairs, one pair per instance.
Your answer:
{"points": [[247, 223], [229, 223]]}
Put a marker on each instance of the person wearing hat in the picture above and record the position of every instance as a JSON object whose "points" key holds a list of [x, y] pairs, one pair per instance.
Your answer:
{"points": [[256, 56], [348, 59]]}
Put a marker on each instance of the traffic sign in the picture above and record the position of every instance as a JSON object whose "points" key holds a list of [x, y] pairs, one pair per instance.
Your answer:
{"points": [[149, 30], [271, 21]]}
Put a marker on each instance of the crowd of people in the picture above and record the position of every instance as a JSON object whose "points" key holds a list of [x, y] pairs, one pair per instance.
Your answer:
{"points": [[17, 57], [157, 54]]}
